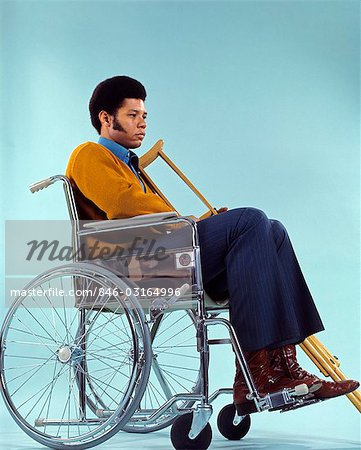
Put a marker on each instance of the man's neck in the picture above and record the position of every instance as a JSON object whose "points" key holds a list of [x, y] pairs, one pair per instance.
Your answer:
{"points": [[110, 139]]}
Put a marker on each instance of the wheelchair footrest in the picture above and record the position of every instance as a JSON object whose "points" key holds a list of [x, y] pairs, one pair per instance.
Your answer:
{"points": [[286, 398], [283, 398]]}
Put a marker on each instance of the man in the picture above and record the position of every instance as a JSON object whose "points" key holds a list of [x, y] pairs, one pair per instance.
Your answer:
{"points": [[246, 257]]}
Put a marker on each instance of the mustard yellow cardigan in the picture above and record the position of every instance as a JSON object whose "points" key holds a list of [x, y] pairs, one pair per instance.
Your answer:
{"points": [[106, 188]]}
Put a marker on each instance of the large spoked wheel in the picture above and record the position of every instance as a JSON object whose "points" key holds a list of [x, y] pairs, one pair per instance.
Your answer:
{"points": [[45, 352], [180, 434], [227, 427], [175, 369]]}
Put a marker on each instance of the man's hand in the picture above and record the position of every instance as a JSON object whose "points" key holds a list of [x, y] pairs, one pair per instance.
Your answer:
{"points": [[219, 211], [194, 218]]}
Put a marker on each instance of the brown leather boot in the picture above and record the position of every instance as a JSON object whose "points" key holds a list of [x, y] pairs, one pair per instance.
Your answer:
{"points": [[266, 379], [283, 360]]}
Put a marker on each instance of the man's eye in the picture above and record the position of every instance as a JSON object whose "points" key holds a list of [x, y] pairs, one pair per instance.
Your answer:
{"points": [[133, 115]]}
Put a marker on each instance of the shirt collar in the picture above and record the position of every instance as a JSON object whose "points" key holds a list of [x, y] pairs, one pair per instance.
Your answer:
{"points": [[125, 155], [118, 150]]}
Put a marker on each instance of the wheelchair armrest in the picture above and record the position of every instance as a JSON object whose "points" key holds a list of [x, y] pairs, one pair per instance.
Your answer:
{"points": [[143, 219]]}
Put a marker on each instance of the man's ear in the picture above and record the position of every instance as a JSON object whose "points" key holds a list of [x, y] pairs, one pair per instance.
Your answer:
{"points": [[104, 118]]}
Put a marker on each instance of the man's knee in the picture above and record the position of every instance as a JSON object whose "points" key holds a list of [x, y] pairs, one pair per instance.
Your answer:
{"points": [[252, 216], [244, 219], [236, 222], [279, 232]]}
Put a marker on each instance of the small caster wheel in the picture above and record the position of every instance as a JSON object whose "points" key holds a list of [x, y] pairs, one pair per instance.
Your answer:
{"points": [[226, 426], [179, 434]]}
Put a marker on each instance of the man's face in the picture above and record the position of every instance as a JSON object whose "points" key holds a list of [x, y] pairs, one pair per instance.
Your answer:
{"points": [[127, 126]]}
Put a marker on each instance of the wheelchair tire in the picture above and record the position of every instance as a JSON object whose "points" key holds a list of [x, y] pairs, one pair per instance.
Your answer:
{"points": [[42, 376], [226, 426], [179, 434]]}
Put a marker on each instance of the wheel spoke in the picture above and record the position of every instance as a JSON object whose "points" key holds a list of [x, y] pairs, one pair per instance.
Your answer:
{"points": [[47, 319], [31, 376], [48, 398], [33, 334], [179, 376], [176, 334], [26, 372], [46, 387], [42, 343]]}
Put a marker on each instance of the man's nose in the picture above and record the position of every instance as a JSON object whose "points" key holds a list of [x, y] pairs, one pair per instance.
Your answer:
{"points": [[142, 123]]}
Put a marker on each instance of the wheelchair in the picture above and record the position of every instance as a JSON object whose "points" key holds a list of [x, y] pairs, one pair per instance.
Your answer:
{"points": [[125, 345]]}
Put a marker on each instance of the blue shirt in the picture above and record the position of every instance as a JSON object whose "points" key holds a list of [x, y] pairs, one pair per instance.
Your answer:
{"points": [[125, 155]]}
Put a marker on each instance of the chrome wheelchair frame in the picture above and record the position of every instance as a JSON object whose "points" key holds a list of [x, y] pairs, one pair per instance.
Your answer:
{"points": [[190, 420]]}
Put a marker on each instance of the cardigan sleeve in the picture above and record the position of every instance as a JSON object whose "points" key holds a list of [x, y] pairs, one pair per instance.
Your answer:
{"points": [[110, 184]]}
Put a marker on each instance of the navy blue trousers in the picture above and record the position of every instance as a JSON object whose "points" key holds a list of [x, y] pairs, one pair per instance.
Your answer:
{"points": [[249, 259]]}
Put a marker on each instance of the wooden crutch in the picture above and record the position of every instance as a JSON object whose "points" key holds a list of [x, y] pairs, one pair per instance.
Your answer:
{"points": [[314, 349]]}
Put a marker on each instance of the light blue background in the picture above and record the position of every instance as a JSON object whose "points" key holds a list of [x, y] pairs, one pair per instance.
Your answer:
{"points": [[258, 103]]}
